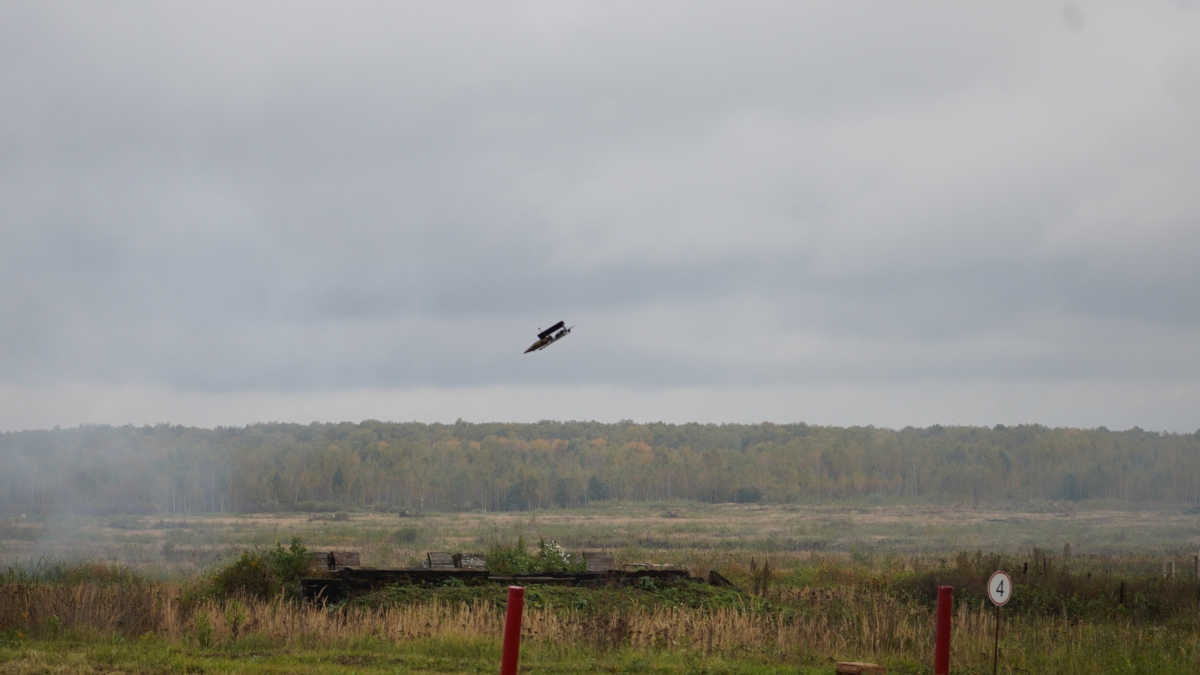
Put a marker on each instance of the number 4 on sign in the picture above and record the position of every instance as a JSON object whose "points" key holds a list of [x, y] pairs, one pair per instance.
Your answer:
{"points": [[999, 590]]}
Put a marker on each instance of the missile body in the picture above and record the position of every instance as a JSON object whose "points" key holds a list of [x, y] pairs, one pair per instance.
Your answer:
{"points": [[549, 337]]}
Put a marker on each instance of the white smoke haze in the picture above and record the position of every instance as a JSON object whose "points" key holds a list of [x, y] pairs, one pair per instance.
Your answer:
{"points": [[1085, 405], [844, 213]]}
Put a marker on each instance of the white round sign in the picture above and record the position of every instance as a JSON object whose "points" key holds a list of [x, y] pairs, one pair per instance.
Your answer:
{"points": [[1000, 588]]}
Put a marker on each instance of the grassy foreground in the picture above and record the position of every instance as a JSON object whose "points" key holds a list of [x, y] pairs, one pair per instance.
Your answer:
{"points": [[1035, 649], [420, 656], [804, 623]]}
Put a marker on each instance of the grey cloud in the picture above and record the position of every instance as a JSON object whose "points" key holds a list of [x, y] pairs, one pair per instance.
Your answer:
{"points": [[302, 196], [1073, 17]]}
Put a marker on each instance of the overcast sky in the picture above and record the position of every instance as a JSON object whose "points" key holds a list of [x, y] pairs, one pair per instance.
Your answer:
{"points": [[833, 212]]}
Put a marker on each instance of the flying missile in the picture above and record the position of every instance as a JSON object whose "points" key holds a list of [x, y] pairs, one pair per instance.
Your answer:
{"points": [[549, 336]]}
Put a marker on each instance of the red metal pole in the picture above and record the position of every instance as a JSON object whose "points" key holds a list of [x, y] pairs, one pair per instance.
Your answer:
{"points": [[941, 652], [512, 631]]}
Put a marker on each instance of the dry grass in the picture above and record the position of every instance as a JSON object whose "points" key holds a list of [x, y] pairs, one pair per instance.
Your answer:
{"points": [[834, 611], [827, 623], [868, 624]]}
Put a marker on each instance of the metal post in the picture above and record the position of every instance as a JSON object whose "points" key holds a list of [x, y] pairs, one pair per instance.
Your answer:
{"points": [[512, 631], [996, 650], [941, 652]]}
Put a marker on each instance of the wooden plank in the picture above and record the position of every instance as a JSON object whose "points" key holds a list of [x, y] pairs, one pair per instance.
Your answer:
{"points": [[340, 559], [470, 561], [438, 560], [373, 577], [717, 579], [598, 561]]}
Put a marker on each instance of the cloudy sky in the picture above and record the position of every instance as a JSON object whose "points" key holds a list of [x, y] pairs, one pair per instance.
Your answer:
{"points": [[833, 212]]}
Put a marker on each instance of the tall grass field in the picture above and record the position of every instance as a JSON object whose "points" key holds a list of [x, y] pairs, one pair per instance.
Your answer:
{"points": [[216, 593]]}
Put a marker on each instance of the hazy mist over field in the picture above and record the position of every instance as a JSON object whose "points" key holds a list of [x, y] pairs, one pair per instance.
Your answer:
{"points": [[841, 213]]}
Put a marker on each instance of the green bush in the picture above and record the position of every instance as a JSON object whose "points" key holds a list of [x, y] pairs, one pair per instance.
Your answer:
{"points": [[550, 558], [262, 574], [406, 535], [515, 559], [204, 631], [291, 563], [249, 575]]}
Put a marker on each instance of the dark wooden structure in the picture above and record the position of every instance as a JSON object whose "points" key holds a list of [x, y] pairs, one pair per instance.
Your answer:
{"points": [[470, 561], [352, 580], [333, 560], [598, 561], [715, 578]]}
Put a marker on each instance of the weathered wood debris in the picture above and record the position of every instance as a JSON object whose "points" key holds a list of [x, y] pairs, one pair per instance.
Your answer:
{"points": [[438, 568]]}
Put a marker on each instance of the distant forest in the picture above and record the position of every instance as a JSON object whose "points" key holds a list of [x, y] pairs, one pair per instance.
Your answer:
{"points": [[458, 467]]}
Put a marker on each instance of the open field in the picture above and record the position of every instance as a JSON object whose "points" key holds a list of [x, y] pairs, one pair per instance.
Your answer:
{"points": [[851, 581], [697, 534]]}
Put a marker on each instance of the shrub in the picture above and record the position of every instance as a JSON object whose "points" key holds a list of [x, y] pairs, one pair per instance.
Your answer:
{"points": [[406, 535], [515, 559], [262, 574], [291, 563], [204, 630], [249, 575], [550, 558]]}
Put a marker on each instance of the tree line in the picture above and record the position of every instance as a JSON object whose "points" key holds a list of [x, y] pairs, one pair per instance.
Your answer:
{"points": [[506, 467]]}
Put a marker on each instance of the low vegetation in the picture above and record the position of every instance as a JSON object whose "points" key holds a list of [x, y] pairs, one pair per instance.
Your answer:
{"points": [[550, 558], [262, 574], [157, 593], [1069, 615]]}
